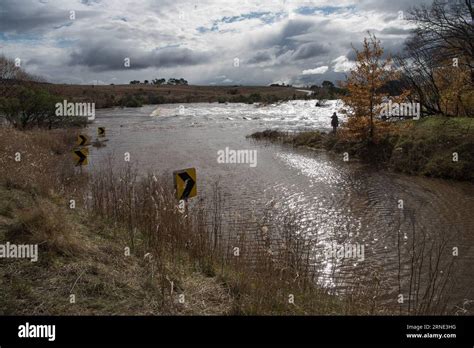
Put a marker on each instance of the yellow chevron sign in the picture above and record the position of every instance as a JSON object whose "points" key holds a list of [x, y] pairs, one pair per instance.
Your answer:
{"points": [[83, 140], [185, 183], [80, 156]]}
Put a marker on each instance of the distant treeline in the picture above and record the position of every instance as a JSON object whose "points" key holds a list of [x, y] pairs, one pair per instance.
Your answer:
{"points": [[171, 81], [327, 90]]}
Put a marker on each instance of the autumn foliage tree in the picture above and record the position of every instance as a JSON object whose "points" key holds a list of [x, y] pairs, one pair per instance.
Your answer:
{"points": [[365, 98], [456, 92]]}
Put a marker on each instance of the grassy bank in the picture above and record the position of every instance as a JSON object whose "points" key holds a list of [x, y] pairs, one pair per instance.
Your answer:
{"points": [[138, 95], [417, 147], [125, 248]]}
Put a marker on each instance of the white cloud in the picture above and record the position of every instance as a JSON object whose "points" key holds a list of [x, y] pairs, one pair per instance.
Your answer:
{"points": [[320, 70], [270, 46], [342, 64]]}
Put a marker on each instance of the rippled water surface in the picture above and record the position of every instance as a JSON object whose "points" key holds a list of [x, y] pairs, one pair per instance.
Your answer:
{"points": [[332, 200]]}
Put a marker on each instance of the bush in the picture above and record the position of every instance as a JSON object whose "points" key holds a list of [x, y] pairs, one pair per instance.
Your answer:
{"points": [[311, 139], [31, 107], [131, 101], [156, 99], [254, 98]]}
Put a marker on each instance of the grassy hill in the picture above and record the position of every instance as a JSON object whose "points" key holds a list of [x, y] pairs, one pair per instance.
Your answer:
{"points": [[137, 95]]}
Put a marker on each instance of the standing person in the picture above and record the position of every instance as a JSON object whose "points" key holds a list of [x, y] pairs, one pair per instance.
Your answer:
{"points": [[334, 122]]}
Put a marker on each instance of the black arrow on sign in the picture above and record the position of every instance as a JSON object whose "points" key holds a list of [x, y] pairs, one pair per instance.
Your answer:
{"points": [[81, 156], [189, 184], [101, 130], [83, 140]]}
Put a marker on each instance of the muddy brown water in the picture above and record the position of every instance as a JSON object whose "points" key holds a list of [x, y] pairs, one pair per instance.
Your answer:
{"points": [[334, 201]]}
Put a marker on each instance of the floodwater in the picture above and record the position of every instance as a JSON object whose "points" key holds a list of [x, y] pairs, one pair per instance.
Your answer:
{"points": [[334, 201]]}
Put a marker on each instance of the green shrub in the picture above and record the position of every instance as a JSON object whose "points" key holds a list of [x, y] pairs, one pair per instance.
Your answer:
{"points": [[131, 101], [254, 98], [32, 108]]}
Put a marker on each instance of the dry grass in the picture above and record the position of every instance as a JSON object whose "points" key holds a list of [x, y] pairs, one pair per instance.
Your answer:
{"points": [[79, 253], [33, 188], [48, 225], [38, 160]]}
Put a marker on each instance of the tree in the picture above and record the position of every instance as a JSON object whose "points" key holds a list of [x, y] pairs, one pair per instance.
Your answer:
{"points": [[446, 28], [439, 56], [31, 107], [364, 98], [10, 71], [158, 81], [174, 81], [134, 82], [327, 84], [455, 90]]}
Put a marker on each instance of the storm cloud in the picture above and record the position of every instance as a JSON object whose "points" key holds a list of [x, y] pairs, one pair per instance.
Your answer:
{"points": [[103, 57], [34, 17], [274, 42]]}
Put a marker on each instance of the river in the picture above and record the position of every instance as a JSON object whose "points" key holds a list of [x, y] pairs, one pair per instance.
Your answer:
{"points": [[333, 200]]}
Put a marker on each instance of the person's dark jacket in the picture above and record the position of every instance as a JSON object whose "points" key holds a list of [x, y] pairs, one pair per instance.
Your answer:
{"points": [[334, 121]]}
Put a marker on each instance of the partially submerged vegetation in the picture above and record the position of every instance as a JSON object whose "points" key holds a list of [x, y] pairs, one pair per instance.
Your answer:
{"points": [[125, 248], [439, 146]]}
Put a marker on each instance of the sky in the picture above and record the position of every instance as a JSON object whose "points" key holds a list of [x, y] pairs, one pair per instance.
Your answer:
{"points": [[207, 42]]}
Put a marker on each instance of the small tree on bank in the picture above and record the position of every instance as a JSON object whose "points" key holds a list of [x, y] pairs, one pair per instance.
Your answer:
{"points": [[31, 108], [364, 98]]}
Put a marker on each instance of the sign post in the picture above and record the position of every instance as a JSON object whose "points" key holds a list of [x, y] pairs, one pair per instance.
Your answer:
{"points": [[83, 140], [80, 156], [185, 183]]}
